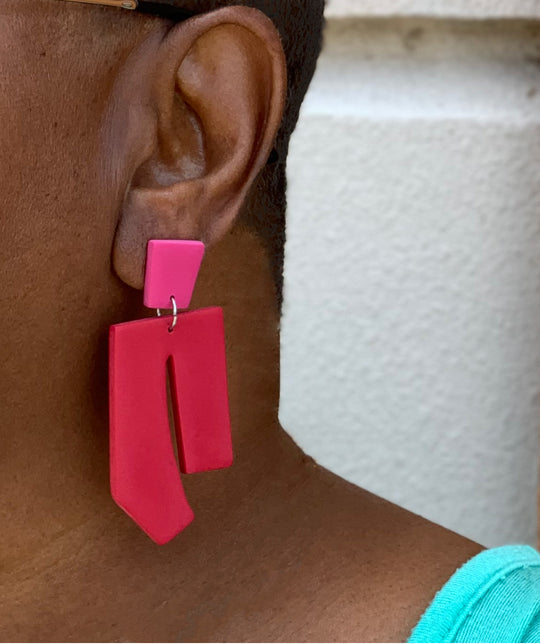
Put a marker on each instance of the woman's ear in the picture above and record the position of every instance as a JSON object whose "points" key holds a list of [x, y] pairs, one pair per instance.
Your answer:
{"points": [[193, 118]]}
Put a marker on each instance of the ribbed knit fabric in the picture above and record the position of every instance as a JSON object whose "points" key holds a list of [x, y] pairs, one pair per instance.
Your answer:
{"points": [[493, 597]]}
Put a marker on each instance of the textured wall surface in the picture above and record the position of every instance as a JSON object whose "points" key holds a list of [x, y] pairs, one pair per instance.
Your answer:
{"points": [[411, 334], [443, 8]]}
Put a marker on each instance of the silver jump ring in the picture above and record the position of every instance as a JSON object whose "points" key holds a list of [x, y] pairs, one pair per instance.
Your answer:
{"points": [[175, 314]]}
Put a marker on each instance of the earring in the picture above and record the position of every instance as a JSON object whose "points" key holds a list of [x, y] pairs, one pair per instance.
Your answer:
{"points": [[144, 476]]}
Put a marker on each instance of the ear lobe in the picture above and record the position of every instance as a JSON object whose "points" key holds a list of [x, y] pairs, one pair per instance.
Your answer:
{"points": [[217, 96]]}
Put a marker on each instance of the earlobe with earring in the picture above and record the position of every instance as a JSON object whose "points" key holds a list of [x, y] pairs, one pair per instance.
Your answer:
{"points": [[145, 479]]}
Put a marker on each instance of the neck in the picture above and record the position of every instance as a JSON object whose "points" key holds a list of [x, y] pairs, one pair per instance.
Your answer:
{"points": [[55, 411], [279, 548], [58, 512]]}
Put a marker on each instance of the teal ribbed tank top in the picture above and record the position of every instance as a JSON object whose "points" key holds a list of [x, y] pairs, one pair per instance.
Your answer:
{"points": [[493, 597]]}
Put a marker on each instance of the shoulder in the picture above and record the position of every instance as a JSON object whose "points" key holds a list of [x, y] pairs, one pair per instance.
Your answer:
{"points": [[381, 565]]}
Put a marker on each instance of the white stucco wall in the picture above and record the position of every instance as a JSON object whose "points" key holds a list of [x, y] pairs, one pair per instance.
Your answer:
{"points": [[411, 330], [461, 9]]}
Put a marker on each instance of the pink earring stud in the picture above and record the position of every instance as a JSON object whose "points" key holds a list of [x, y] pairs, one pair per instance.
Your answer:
{"points": [[172, 267]]}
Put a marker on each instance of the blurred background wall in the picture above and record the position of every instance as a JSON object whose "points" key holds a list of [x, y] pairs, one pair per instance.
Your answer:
{"points": [[411, 330]]}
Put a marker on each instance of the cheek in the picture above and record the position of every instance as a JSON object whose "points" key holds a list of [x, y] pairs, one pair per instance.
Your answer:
{"points": [[30, 161], [30, 109], [55, 228], [14, 87], [49, 119]]}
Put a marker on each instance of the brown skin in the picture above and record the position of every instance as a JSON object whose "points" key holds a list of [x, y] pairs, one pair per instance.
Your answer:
{"points": [[98, 157]]}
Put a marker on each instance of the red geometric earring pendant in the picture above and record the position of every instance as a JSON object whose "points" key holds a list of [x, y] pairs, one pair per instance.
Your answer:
{"points": [[145, 481]]}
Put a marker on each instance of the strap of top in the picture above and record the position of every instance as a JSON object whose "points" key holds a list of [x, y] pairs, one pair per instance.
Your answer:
{"points": [[493, 597]]}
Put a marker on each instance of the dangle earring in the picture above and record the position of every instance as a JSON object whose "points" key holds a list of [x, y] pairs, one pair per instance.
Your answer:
{"points": [[144, 476]]}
